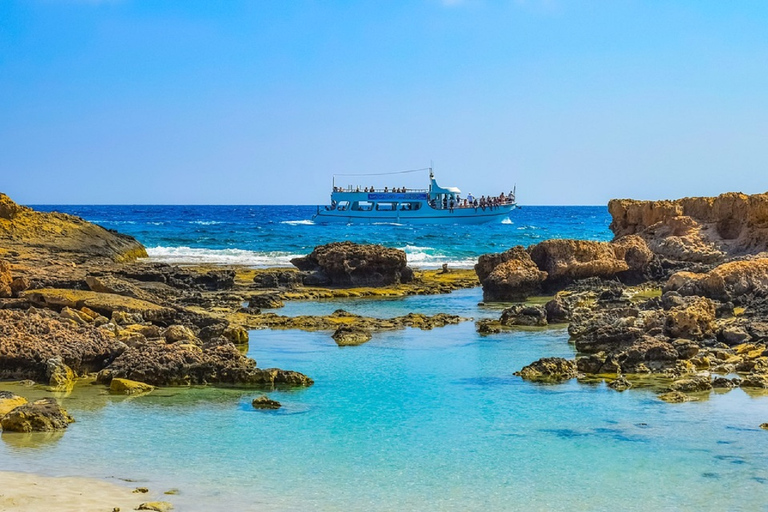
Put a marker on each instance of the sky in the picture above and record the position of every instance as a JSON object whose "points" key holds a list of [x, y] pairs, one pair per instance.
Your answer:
{"points": [[261, 102]]}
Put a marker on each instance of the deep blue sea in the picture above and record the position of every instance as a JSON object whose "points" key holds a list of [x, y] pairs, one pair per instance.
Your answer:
{"points": [[410, 421], [272, 235]]}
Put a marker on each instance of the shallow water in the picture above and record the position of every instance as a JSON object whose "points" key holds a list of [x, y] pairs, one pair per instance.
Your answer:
{"points": [[415, 420]]}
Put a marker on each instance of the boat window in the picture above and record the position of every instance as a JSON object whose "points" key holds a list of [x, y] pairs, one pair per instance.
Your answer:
{"points": [[363, 206], [342, 205], [410, 206], [387, 207]]}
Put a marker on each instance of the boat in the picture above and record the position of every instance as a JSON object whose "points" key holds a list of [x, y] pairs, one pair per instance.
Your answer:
{"points": [[433, 205]]}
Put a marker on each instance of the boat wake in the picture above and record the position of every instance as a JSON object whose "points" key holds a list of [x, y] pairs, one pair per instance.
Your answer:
{"points": [[305, 222], [196, 256]]}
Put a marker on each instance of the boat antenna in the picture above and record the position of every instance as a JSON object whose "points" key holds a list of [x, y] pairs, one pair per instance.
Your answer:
{"points": [[431, 174]]}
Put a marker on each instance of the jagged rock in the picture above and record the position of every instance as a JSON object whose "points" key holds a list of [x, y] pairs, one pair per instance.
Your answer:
{"points": [[60, 376], [349, 336], [591, 364], [5, 278], [351, 264], [264, 402], [727, 282], [28, 339], [694, 320], [558, 310], [174, 333], [549, 369], [620, 384], [128, 387], [568, 260], [9, 401], [265, 301], [755, 380], [647, 355], [488, 326], [697, 229], [724, 383], [39, 416], [694, 384], [236, 334], [511, 275], [278, 278], [686, 349], [522, 314], [733, 335], [676, 397]]}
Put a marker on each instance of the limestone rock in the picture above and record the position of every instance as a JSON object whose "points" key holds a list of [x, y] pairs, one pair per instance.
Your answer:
{"points": [[694, 384], [351, 264], [676, 397], [568, 260], [346, 336], [511, 275], [549, 369], [236, 334], [522, 314], [60, 376], [727, 282], [157, 506], [174, 333], [620, 384], [265, 301], [10, 401], [264, 402], [128, 387], [40, 416]]}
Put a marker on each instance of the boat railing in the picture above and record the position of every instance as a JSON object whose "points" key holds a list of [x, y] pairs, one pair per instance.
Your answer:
{"points": [[386, 190]]}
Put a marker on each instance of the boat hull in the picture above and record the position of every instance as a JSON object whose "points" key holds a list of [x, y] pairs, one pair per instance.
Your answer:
{"points": [[421, 216]]}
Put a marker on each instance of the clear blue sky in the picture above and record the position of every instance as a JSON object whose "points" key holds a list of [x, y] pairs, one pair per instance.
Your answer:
{"points": [[260, 102]]}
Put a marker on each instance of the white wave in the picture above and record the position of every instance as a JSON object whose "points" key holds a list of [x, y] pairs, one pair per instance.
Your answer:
{"points": [[305, 222], [387, 224], [428, 257], [507, 221], [205, 222], [194, 255]]}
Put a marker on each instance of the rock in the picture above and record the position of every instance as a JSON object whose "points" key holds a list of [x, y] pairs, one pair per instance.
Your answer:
{"points": [[488, 326], [351, 264], [19, 285], [620, 384], [29, 339], [764, 426], [686, 349], [60, 376], [692, 385], [40, 416], [62, 235], [102, 303], [733, 335], [10, 401], [236, 334], [703, 229], [591, 364], [511, 275], [157, 506], [558, 311], [5, 278], [676, 397], [647, 355], [723, 383], [140, 490], [634, 251], [568, 260], [266, 301], [727, 282], [694, 320], [264, 402], [523, 314], [549, 369], [278, 278], [755, 380], [349, 336], [174, 333], [128, 387]]}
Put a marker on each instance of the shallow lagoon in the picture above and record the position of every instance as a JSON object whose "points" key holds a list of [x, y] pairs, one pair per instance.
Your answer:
{"points": [[415, 420]]}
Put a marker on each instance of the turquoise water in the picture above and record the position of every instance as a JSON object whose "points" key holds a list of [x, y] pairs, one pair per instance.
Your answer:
{"points": [[416, 420]]}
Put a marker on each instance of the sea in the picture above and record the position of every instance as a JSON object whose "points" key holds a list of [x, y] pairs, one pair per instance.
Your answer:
{"points": [[410, 421]]}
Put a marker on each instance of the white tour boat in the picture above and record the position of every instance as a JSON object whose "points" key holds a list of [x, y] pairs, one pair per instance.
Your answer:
{"points": [[434, 205]]}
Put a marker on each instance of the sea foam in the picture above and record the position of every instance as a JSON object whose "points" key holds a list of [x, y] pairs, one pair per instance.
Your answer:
{"points": [[194, 255]]}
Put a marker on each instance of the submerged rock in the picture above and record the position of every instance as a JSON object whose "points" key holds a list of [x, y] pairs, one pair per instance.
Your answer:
{"points": [[10, 401], [692, 385], [264, 402], [620, 384], [157, 506], [549, 369], [676, 397], [39, 416], [128, 387]]}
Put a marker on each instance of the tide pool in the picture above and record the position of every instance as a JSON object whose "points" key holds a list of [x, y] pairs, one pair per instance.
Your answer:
{"points": [[414, 420]]}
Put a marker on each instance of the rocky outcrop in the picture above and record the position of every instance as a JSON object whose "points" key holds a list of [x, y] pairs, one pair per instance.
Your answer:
{"points": [[549, 369], [727, 282], [553, 265], [696, 229], [511, 275], [24, 229], [39, 416], [351, 264], [128, 387], [525, 315], [10, 401]]}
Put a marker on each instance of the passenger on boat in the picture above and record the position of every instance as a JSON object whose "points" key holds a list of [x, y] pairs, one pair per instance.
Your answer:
{"points": [[470, 197], [451, 204], [445, 203], [386, 189]]}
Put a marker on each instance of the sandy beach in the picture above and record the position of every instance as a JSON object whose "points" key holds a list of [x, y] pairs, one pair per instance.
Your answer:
{"points": [[29, 492]]}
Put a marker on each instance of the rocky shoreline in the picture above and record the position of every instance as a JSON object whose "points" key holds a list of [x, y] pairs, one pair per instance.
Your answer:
{"points": [[677, 301]]}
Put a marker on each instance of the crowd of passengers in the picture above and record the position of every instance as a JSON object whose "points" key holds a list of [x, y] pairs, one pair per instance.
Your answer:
{"points": [[450, 203]]}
